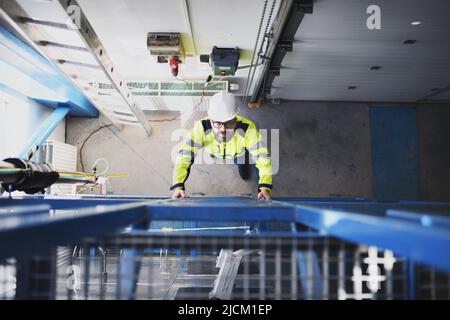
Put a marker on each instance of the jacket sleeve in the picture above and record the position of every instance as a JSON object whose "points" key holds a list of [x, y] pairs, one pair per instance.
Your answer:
{"points": [[185, 157], [260, 154]]}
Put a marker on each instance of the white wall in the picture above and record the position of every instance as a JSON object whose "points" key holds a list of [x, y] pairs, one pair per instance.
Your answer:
{"points": [[19, 119]]}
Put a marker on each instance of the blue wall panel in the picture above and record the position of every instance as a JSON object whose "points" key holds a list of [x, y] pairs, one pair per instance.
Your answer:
{"points": [[395, 169]]}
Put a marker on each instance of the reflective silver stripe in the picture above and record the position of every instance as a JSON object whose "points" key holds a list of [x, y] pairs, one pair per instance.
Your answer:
{"points": [[257, 145], [262, 155], [240, 132], [186, 153], [192, 143]]}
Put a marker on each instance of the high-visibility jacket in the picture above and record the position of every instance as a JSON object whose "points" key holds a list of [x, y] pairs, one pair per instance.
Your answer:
{"points": [[245, 136]]}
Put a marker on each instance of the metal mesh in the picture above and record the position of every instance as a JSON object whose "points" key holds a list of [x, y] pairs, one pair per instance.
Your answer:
{"points": [[190, 267], [431, 284]]}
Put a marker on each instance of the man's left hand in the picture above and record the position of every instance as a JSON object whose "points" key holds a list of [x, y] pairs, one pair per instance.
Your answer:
{"points": [[264, 195]]}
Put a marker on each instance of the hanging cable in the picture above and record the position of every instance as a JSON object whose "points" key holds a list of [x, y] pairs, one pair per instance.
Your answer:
{"points": [[267, 35], [156, 172], [244, 100], [85, 140], [179, 79], [265, 38], [201, 99], [208, 84]]}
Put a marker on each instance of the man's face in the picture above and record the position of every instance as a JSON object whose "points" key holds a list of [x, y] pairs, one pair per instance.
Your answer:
{"points": [[223, 129]]}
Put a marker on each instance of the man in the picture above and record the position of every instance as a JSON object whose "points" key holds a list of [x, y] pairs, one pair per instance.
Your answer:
{"points": [[224, 135]]}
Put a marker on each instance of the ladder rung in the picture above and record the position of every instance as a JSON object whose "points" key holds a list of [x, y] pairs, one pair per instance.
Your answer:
{"points": [[122, 113], [44, 23], [125, 118], [76, 63], [46, 43]]}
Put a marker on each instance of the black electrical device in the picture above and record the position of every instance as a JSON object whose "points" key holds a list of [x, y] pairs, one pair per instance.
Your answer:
{"points": [[204, 58], [224, 61]]}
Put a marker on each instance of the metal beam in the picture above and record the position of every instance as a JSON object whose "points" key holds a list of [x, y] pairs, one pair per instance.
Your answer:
{"points": [[77, 202], [425, 219], [43, 132], [64, 228], [25, 72], [285, 26], [14, 18], [185, 4], [423, 244], [92, 41], [426, 244], [239, 209]]}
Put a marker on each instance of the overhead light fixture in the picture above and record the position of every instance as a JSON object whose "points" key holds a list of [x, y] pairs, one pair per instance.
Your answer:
{"points": [[409, 41], [351, 87], [375, 67], [416, 23]]}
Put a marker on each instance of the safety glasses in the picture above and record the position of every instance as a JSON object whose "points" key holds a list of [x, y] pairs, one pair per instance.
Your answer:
{"points": [[228, 125]]}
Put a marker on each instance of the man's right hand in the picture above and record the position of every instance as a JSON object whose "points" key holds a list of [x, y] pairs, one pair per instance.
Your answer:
{"points": [[179, 193]]}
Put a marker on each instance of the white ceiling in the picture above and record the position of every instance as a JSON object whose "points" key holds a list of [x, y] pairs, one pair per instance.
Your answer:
{"points": [[334, 49], [122, 26]]}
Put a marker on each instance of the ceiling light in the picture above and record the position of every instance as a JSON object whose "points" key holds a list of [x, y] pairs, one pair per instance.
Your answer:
{"points": [[409, 41], [375, 67], [416, 23], [351, 87]]}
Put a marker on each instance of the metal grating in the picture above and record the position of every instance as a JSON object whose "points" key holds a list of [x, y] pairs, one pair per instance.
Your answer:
{"points": [[140, 247], [190, 268]]}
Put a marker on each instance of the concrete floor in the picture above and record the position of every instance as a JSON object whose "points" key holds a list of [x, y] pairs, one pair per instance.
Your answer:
{"points": [[324, 150]]}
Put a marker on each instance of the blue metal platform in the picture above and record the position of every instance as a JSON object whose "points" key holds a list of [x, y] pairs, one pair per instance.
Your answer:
{"points": [[421, 232]]}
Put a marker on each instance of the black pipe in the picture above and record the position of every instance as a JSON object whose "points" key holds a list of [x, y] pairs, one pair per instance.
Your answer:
{"points": [[30, 178]]}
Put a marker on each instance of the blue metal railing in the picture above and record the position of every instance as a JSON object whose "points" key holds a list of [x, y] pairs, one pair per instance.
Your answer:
{"points": [[97, 216]]}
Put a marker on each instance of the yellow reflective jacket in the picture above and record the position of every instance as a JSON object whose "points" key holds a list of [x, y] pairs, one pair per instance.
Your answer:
{"points": [[246, 136]]}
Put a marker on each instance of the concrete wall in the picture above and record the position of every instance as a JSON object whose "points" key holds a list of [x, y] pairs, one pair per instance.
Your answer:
{"points": [[19, 119], [434, 151]]}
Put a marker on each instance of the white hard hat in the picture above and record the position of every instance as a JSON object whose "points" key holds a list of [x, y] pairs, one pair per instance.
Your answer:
{"points": [[222, 107]]}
